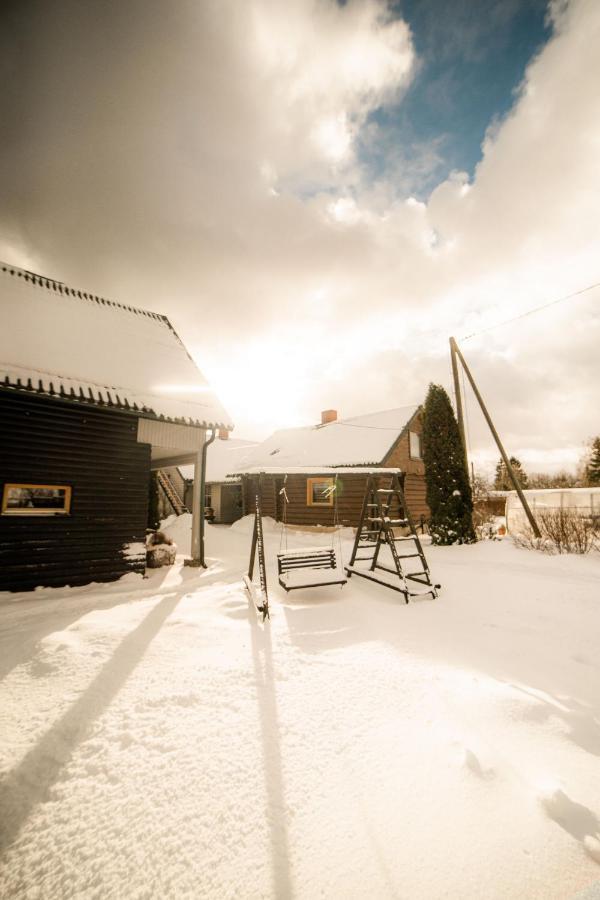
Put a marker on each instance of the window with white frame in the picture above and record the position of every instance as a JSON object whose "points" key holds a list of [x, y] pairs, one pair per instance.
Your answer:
{"points": [[414, 445]]}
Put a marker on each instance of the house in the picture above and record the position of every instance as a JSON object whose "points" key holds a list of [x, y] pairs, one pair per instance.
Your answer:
{"points": [[308, 456], [223, 493], [93, 395]]}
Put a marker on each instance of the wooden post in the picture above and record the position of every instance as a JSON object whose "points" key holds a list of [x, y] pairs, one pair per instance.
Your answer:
{"points": [[458, 396], [496, 436], [197, 508], [198, 505]]}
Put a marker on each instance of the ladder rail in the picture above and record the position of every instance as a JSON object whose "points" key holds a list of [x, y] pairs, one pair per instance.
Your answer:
{"points": [[386, 507], [171, 493]]}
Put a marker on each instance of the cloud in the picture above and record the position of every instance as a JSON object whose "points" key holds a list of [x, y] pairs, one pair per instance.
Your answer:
{"points": [[201, 159]]}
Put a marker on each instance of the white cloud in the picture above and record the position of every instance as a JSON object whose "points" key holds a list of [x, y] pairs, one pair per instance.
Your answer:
{"points": [[199, 159]]}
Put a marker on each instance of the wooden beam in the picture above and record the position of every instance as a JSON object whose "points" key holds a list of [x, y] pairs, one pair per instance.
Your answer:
{"points": [[496, 436], [458, 398]]}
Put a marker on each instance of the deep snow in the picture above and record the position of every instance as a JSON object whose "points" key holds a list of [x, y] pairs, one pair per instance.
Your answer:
{"points": [[157, 741]]}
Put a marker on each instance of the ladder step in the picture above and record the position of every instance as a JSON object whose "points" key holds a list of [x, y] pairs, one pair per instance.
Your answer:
{"points": [[390, 570], [424, 592], [388, 520], [408, 556]]}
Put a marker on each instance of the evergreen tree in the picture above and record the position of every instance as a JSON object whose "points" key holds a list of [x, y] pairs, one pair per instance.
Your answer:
{"points": [[153, 502], [448, 489], [593, 466], [502, 480]]}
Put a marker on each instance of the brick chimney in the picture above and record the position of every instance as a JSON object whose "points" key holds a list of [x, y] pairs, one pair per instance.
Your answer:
{"points": [[223, 434], [328, 415]]}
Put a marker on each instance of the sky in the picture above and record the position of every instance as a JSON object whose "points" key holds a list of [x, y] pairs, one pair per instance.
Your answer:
{"points": [[318, 194]]}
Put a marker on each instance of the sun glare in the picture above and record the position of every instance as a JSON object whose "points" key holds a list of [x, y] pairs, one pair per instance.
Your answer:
{"points": [[262, 384]]}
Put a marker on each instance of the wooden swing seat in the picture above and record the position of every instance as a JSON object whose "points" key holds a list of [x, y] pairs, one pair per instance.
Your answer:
{"points": [[321, 559]]}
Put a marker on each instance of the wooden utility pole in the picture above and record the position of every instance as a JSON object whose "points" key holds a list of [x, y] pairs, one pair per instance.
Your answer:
{"points": [[459, 406], [496, 436]]}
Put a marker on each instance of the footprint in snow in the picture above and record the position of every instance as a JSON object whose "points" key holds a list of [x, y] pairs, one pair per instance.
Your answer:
{"points": [[576, 819], [474, 765]]}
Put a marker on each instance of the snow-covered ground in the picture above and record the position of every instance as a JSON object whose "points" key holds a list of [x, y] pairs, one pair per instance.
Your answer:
{"points": [[157, 741]]}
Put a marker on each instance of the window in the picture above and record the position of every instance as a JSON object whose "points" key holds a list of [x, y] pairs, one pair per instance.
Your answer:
{"points": [[36, 500], [414, 445], [319, 491]]}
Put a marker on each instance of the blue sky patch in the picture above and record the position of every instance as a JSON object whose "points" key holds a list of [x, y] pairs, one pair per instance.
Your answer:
{"points": [[472, 56]]}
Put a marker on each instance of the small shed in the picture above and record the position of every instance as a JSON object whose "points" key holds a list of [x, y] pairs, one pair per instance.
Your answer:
{"points": [[223, 494], [585, 501], [387, 439], [94, 394]]}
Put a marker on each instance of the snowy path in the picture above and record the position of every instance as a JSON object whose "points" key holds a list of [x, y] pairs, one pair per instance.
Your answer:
{"points": [[156, 741]]}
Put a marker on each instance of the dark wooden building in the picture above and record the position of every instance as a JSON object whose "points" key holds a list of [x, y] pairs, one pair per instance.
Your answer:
{"points": [[223, 490], [93, 395], [388, 439]]}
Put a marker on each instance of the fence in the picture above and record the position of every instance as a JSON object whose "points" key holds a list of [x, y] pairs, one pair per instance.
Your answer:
{"points": [[584, 501]]}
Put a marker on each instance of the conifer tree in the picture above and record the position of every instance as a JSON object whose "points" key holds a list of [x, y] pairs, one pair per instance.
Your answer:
{"points": [[448, 489], [502, 480], [593, 466]]}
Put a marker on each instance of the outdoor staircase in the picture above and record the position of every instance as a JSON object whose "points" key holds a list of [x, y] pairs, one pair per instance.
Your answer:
{"points": [[171, 493], [384, 509]]}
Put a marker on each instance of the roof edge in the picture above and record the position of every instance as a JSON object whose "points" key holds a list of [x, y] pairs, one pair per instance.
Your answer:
{"points": [[114, 403], [60, 287]]}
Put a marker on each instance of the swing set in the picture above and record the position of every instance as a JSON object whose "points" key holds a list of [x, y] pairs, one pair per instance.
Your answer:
{"points": [[384, 510], [315, 562]]}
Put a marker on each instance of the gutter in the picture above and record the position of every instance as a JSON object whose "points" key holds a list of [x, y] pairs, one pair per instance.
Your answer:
{"points": [[197, 559]]}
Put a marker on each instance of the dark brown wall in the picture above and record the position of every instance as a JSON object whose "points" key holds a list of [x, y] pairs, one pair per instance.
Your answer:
{"points": [[351, 489], [414, 485], [95, 450]]}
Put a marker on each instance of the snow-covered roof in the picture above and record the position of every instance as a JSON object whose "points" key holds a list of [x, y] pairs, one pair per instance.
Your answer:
{"points": [[358, 441], [222, 458], [61, 341], [322, 470]]}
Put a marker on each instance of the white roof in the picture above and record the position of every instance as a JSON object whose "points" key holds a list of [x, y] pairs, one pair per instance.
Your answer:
{"points": [[358, 441], [322, 470], [222, 458], [63, 341]]}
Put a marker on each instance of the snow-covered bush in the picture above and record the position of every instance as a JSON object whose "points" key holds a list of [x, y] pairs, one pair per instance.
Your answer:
{"points": [[158, 537], [563, 531], [160, 550]]}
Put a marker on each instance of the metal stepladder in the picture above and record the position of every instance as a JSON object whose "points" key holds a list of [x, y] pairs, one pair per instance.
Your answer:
{"points": [[383, 509]]}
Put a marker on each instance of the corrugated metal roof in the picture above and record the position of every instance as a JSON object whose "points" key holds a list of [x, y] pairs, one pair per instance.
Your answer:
{"points": [[60, 341], [358, 441]]}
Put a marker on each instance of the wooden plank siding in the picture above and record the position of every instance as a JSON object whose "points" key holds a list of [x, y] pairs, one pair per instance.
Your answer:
{"points": [[351, 489], [414, 484], [95, 451]]}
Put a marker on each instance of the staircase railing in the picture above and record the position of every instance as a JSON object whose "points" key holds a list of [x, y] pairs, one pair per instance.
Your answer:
{"points": [[171, 493]]}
